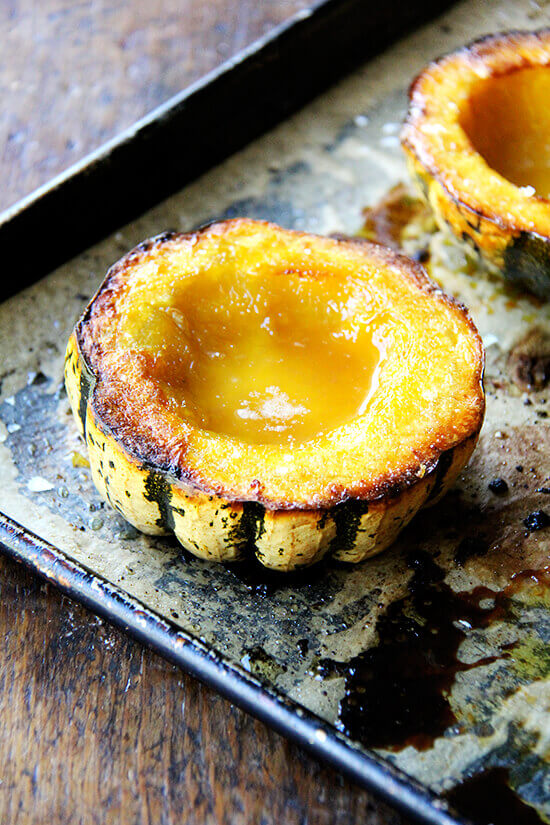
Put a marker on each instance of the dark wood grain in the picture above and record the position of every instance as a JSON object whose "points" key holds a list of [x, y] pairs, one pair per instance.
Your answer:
{"points": [[73, 75], [93, 728], [96, 729]]}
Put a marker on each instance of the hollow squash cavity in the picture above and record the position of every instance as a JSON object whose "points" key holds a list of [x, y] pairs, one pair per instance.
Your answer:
{"points": [[477, 138], [507, 119], [264, 392], [278, 359]]}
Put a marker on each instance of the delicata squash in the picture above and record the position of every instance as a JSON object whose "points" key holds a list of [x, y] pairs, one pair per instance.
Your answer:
{"points": [[261, 391], [477, 137]]}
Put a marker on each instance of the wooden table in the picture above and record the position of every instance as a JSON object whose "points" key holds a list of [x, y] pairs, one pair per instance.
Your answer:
{"points": [[93, 727]]}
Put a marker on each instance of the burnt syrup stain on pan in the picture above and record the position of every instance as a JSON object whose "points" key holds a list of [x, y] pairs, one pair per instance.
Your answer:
{"points": [[498, 486], [397, 694], [386, 221], [537, 520], [470, 547], [303, 646], [487, 798]]}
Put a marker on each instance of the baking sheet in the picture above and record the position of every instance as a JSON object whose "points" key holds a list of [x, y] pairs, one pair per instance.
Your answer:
{"points": [[486, 706]]}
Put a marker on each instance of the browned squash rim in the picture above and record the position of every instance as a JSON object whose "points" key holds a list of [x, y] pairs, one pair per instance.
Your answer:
{"points": [[106, 407], [498, 56]]}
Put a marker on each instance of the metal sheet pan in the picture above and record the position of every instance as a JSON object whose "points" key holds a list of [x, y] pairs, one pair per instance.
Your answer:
{"points": [[289, 650], [198, 128]]}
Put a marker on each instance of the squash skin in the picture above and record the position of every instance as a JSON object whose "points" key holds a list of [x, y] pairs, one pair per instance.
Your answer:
{"points": [[159, 499], [440, 157]]}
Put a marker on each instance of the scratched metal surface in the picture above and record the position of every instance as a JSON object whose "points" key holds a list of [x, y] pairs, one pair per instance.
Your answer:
{"points": [[487, 703]]}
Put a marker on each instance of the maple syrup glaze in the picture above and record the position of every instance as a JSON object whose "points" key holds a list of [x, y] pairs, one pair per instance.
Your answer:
{"points": [[507, 119], [268, 360]]}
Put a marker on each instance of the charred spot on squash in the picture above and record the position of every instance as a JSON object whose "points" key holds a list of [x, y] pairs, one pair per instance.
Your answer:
{"points": [[332, 454], [476, 138]]}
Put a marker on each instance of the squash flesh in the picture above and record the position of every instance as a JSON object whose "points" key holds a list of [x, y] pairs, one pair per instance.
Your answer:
{"points": [[270, 360], [507, 119], [475, 139], [427, 388]]}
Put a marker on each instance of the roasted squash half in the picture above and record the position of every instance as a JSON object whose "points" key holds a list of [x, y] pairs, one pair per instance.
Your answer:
{"points": [[477, 137], [261, 391]]}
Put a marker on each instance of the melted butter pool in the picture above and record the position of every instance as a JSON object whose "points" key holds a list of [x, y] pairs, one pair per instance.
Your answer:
{"points": [[508, 122], [274, 360]]}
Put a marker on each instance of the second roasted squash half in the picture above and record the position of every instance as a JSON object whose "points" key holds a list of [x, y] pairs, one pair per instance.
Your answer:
{"points": [[261, 391], [477, 137]]}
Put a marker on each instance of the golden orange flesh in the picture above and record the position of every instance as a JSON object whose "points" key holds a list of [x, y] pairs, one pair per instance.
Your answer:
{"points": [[268, 360], [294, 367], [507, 119]]}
